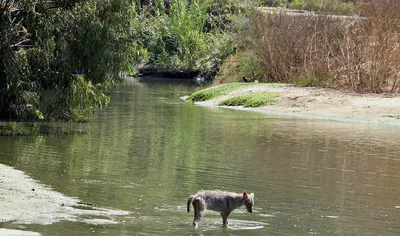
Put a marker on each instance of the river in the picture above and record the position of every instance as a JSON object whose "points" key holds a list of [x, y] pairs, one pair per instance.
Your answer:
{"points": [[148, 151]]}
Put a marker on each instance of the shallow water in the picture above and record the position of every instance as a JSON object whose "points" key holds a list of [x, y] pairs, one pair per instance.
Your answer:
{"points": [[149, 150]]}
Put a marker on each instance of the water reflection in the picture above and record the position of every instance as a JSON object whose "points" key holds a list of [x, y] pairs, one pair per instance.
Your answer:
{"points": [[149, 150]]}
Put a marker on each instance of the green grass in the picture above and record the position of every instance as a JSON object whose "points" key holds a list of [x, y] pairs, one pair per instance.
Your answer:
{"points": [[223, 89], [252, 99], [216, 91]]}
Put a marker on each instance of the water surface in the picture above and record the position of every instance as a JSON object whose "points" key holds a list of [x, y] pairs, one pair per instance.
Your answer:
{"points": [[149, 150]]}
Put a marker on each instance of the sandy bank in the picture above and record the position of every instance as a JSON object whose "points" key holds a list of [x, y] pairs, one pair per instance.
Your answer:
{"points": [[13, 232], [327, 104], [26, 201]]}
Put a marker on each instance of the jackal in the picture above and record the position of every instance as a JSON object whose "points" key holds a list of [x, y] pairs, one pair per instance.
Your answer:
{"points": [[216, 200]]}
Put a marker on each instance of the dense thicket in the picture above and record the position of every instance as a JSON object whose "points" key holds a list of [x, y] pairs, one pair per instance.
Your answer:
{"points": [[359, 52], [184, 36], [58, 58]]}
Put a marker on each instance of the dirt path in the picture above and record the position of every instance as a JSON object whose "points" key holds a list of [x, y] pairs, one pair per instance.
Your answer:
{"points": [[327, 104]]}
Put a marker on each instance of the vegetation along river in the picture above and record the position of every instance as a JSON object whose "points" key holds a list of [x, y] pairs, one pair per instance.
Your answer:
{"points": [[145, 153]]}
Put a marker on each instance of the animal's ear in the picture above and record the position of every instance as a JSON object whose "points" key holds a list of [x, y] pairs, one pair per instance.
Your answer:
{"points": [[252, 196], [245, 196]]}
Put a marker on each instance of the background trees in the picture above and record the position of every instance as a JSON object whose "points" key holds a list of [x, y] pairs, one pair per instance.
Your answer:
{"points": [[59, 58], [184, 36]]}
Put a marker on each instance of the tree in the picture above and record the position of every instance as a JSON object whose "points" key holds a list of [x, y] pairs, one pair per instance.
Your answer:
{"points": [[59, 58]]}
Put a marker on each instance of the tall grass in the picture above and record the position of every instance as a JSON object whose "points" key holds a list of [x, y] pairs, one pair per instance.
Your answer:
{"points": [[182, 38], [361, 53]]}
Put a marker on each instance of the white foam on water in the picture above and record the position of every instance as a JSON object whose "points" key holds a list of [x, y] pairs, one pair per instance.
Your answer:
{"points": [[332, 217], [100, 222], [267, 215]]}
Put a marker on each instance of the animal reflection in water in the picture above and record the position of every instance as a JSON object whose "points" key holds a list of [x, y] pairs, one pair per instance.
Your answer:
{"points": [[220, 201]]}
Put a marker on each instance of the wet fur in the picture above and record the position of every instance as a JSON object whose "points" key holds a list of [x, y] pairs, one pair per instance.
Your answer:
{"points": [[216, 200]]}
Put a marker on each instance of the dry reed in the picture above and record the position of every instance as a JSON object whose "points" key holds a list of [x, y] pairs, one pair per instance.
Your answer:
{"points": [[361, 52]]}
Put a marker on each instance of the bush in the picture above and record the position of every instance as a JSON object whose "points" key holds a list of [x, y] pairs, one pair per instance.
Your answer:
{"points": [[352, 52], [242, 65], [186, 38], [44, 43]]}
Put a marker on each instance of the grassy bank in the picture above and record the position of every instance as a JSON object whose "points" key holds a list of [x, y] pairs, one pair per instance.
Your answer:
{"points": [[216, 91], [254, 99]]}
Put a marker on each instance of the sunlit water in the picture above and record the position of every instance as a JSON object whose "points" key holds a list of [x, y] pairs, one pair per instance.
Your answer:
{"points": [[149, 150]]}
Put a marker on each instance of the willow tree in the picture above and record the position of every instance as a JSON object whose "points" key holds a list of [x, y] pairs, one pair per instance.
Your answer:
{"points": [[59, 58]]}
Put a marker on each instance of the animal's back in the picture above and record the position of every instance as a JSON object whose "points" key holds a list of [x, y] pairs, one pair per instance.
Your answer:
{"points": [[216, 200]]}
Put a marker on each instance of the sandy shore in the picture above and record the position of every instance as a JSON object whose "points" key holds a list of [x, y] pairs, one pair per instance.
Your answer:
{"points": [[24, 200], [326, 104]]}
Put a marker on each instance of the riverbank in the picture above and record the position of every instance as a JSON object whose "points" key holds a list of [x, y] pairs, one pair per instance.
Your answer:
{"points": [[26, 201], [322, 103]]}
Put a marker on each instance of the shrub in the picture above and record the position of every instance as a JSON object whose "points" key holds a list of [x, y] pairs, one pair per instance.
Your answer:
{"points": [[241, 65], [352, 52], [188, 37], [43, 43]]}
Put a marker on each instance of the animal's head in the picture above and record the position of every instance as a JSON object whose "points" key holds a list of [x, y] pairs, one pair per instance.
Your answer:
{"points": [[248, 201]]}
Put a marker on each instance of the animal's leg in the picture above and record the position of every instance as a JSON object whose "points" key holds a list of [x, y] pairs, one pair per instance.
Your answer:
{"points": [[199, 208], [225, 218]]}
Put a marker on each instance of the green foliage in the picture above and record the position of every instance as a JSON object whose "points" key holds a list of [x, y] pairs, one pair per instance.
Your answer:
{"points": [[223, 89], [216, 91], [60, 58], [273, 3], [252, 100], [187, 37], [250, 66], [43, 43], [310, 81], [242, 64]]}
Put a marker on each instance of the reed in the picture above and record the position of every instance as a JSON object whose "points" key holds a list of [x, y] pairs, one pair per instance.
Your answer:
{"points": [[361, 52], [185, 37]]}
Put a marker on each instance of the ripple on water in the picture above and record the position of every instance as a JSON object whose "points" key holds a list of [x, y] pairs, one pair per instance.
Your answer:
{"points": [[100, 222], [213, 224], [267, 215], [332, 217]]}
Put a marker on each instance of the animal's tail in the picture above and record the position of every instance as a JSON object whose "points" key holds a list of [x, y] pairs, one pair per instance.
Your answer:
{"points": [[189, 201]]}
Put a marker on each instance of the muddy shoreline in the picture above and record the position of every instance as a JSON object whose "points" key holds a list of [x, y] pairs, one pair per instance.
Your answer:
{"points": [[323, 104]]}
